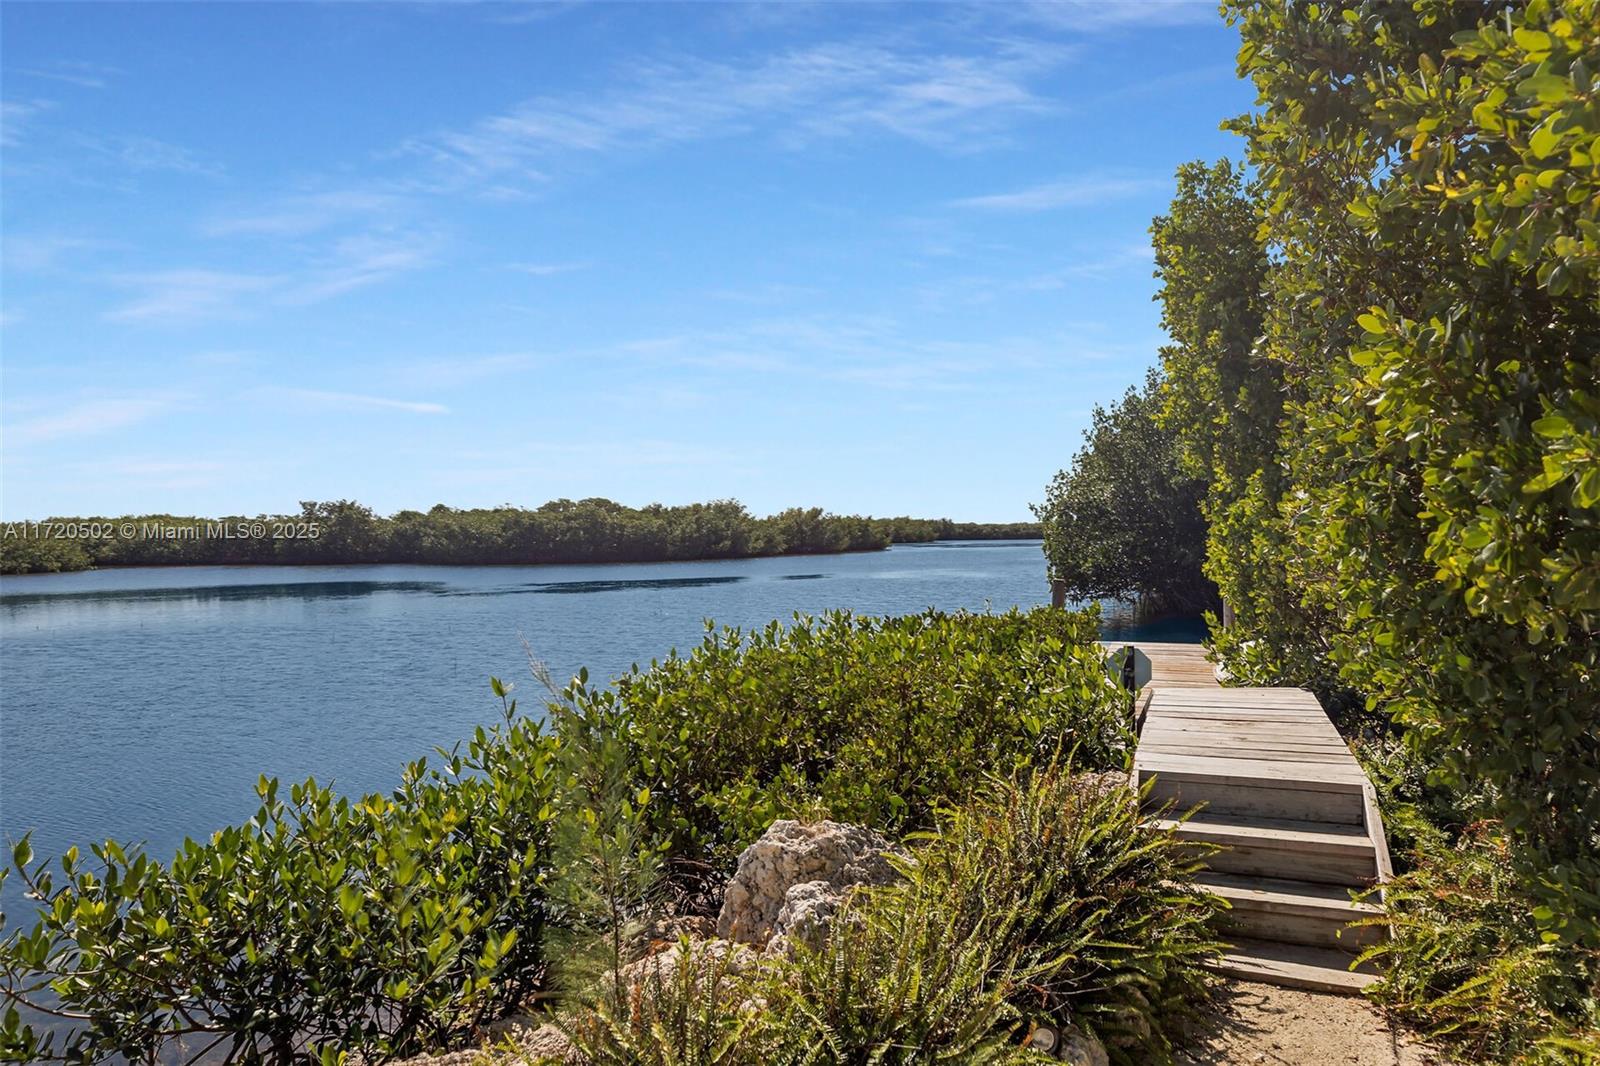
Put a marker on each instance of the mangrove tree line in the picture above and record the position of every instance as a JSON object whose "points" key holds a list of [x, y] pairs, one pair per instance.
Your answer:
{"points": [[562, 531]]}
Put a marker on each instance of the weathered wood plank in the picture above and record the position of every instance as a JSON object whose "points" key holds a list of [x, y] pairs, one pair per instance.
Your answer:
{"points": [[1307, 732], [1261, 754], [1283, 833], [1286, 721], [1226, 798], [1178, 744], [1252, 771], [1171, 744], [1166, 698], [1295, 695], [1180, 715], [1294, 966], [1281, 723], [1244, 731], [1251, 723]]}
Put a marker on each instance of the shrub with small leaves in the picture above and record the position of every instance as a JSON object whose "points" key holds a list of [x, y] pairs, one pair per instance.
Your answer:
{"points": [[876, 721], [384, 924]]}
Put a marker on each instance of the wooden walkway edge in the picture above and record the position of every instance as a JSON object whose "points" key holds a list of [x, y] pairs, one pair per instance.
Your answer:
{"points": [[1279, 792]]}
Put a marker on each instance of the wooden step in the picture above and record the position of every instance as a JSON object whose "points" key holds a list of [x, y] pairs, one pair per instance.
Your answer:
{"points": [[1292, 912], [1255, 768], [1295, 966], [1304, 792], [1279, 847]]}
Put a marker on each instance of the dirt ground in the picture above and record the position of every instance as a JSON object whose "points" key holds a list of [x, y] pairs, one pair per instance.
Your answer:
{"points": [[1285, 1027]]}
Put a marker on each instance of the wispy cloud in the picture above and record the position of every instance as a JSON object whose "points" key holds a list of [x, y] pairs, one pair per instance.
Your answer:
{"points": [[32, 252], [158, 473], [1086, 191], [545, 270], [297, 215], [776, 292], [222, 357], [350, 401], [84, 75], [586, 458], [801, 95], [871, 350], [87, 418], [454, 372], [15, 118], [356, 262], [1096, 16], [103, 161], [524, 12], [1084, 265], [136, 154], [188, 295], [1102, 263]]}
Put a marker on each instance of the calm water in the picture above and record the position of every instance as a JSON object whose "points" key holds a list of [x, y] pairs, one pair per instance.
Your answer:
{"points": [[142, 704]]}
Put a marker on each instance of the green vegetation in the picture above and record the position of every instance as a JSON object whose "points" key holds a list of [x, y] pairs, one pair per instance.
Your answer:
{"points": [[517, 872], [1124, 522], [878, 721], [386, 923], [1434, 197], [562, 531], [1043, 899], [1385, 357], [1467, 957]]}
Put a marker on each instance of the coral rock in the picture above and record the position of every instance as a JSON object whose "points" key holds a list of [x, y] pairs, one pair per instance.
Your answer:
{"points": [[791, 881]]}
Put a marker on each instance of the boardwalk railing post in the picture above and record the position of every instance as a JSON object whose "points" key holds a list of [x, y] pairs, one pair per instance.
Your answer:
{"points": [[1130, 682], [1058, 593]]}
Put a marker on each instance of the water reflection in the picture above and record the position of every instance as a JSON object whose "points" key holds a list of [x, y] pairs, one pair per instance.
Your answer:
{"points": [[564, 587], [292, 590]]}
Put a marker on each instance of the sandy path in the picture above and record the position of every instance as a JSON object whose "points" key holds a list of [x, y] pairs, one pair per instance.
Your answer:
{"points": [[1286, 1027]]}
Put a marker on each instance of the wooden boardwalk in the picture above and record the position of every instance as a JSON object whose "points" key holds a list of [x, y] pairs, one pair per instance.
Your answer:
{"points": [[1279, 791]]}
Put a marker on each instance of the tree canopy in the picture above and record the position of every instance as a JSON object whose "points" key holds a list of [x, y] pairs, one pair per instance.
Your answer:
{"points": [[1428, 185], [1123, 522]]}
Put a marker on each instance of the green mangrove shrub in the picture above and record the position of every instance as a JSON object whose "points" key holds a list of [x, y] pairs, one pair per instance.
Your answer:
{"points": [[391, 925], [561, 531], [872, 720], [1399, 417], [385, 924], [1124, 521], [1427, 176], [608, 860]]}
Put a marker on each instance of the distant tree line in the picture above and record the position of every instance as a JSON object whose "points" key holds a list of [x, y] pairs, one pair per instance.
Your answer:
{"points": [[561, 531]]}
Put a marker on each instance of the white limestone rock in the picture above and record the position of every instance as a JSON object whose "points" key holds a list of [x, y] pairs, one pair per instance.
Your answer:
{"points": [[791, 881]]}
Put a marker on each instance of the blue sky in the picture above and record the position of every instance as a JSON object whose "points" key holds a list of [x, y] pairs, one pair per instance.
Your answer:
{"points": [[875, 258]]}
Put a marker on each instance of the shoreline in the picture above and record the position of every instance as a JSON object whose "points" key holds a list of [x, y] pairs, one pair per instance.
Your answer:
{"points": [[288, 563]]}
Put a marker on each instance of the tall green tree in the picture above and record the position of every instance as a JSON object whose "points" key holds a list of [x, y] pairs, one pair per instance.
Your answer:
{"points": [[1222, 399], [1124, 522], [1429, 187]]}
